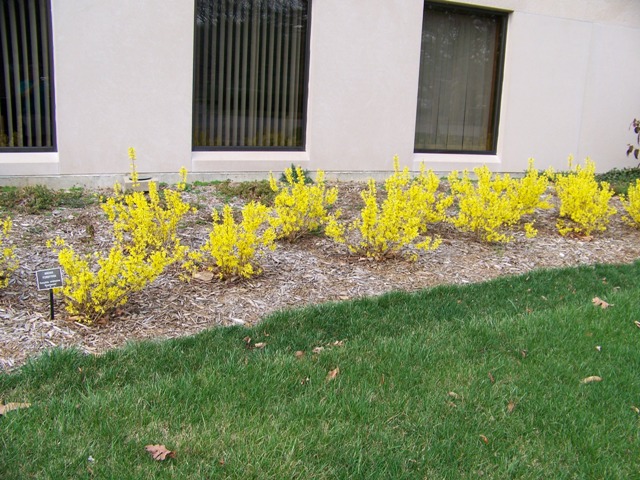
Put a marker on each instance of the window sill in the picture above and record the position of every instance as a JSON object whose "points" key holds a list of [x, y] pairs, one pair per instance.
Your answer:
{"points": [[244, 161], [29, 163], [446, 162]]}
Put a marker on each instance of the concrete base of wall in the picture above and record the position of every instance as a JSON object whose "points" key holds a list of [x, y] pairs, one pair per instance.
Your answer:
{"points": [[107, 181]]}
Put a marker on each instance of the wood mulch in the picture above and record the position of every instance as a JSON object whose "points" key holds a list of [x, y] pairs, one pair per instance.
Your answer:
{"points": [[311, 271]]}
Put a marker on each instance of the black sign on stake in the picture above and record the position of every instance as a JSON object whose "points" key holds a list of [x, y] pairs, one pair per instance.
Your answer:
{"points": [[48, 280]]}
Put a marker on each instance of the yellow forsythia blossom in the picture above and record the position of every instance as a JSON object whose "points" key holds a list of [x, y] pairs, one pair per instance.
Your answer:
{"points": [[300, 208], [133, 174], [631, 204], [96, 284], [232, 247], [146, 219], [145, 243], [388, 228], [584, 203], [494, 204], [8, 260], [182, 184]]}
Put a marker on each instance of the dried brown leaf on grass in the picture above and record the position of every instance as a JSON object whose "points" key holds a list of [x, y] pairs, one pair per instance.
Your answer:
{"points": [[511, 406], [7, 407], [591, 379], [160, 452], [598, 302], [333, 374]]}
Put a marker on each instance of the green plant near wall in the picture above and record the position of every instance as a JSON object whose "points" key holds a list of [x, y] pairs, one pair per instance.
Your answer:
{"points": [[293, 175], [250, 191], [620, 179], [34, 199]]}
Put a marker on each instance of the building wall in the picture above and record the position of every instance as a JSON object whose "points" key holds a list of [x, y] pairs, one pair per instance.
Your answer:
{"points": [[123, 77], [571, 91]]}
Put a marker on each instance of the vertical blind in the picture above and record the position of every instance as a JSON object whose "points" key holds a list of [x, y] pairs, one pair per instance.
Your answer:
{"points": [[459, 80], [26, 108], [250, 73]]}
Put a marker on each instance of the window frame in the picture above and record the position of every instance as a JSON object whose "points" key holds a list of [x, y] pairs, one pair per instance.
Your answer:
{"points": [[305, 99], [498, 73], [52, 90]]}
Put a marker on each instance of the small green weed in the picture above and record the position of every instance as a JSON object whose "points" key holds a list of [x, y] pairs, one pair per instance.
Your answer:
{"points": [[40, 198], [209, 183], [254, 190], [295, 174], [620, 179]]}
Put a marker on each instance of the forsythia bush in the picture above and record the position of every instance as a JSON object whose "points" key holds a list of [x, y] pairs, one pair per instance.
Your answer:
{"points": [[8, 261], [232, 247], [584, 203], [139, 219], [300, 208], [495, 203], [91, 291], [388, 228], [631, 204], [145, 243]]}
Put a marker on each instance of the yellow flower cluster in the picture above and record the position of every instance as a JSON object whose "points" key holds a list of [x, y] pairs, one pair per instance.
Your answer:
{"points": [[8, 260], [631, 204], [232, 247], [146, 219], [182, 184], [96, 284], [584, 203], [132, 167], [145, 243], [386, 229], [300, 208], [493, 204]]}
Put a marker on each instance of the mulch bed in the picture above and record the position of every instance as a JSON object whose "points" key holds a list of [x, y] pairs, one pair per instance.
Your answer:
{"points": [[311, 271]]}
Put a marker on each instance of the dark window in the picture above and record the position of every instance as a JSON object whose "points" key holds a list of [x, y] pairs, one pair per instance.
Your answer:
{"points": [[26, 76], [460, 79], [250, 74]]}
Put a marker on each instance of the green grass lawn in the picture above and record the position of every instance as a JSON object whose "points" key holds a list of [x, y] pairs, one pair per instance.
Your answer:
{"points": [[481, 381]]}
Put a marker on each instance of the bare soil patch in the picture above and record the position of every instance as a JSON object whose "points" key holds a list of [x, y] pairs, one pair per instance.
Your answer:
{"points": [[312, 271]]}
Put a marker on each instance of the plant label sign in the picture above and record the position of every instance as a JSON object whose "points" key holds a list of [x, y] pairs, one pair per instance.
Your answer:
{"points": [[48, 279]]}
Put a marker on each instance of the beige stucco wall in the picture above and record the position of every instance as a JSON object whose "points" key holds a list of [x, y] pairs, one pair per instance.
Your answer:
{"points": [[123, 76], [575, 92]]}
